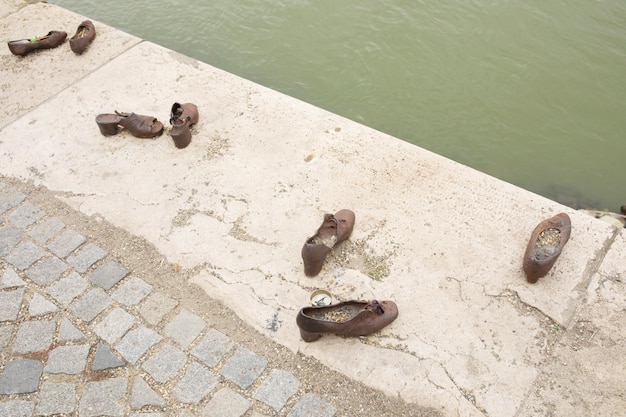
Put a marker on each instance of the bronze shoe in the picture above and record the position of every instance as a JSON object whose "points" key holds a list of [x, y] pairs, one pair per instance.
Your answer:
{"points": [[334, 230], [26, 46], [84, 35], [545, 245], [138, 125], [350, 318], [182, 117]]}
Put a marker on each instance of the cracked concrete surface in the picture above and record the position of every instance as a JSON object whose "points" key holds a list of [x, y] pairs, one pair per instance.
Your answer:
{"points": [[234, 208]]}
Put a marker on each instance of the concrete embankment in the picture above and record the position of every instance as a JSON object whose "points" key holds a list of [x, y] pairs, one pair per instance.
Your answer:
{"points": [[232, 211]]}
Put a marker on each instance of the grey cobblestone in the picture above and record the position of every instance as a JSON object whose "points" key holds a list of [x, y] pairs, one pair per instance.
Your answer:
{"points": [[86, 256], [165, 363], [226, 403], [68, 288], [10, 279], [10, 304], [197, 382], [132, 291], [24, 255], [69, 360], [40, 306], [25, 215], [56, 398], [142, 395], [212, 348], [121, 336], [91, 304], [20, 376], [277, 388], [43, 232], [9, 237], [34, 336], [66, 242], [109, 274], [185, 327], [244, 367], [105, 359], [46, 271], [114, 325], [10, 199], [137, 342]]}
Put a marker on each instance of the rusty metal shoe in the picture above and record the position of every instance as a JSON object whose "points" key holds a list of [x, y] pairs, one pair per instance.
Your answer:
{"points": [[182, 118], [334, 230], [140, 126], [349, 318], [23, 47], [545, 245], [84, 35]]}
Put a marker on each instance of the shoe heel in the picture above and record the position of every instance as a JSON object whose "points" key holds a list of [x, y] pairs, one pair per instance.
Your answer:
{"points": [[108, 129], [309, 337]]}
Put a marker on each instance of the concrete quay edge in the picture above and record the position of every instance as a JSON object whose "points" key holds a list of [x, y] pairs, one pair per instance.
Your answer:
{"points": [[234, 208]]}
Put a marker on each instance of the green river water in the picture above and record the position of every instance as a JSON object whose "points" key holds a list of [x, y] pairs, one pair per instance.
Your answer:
{"points": [[532, 92]]}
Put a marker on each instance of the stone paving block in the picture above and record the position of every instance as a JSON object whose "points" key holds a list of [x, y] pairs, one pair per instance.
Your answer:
{"points": [[20, 376], [10, 279], [10, 199], [56, 398], [114, 325], [70, 360], [34, 336], [86, 256], [109, 274], [226, 403], [165, 363], [91, 304], [66, 242], [244, 367], [137, 342], [132, 291], [40, 306], [143, 395], [68, 288], [24, 255], [6, 331], [9, 237], [277, 388], [46, 271], [105, 359], [42, 232], [156, 307], [197, 382], [185, 327], [312, 405], [10, 304], [17, 408], [212, 348], [68, 332], [25, 215], [104, 398]]}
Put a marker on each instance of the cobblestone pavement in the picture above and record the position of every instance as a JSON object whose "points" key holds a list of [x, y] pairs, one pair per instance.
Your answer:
{"points": [[81, 335]]}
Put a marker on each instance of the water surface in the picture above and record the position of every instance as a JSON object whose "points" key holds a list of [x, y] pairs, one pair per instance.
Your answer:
{"points": [[532, 92]]}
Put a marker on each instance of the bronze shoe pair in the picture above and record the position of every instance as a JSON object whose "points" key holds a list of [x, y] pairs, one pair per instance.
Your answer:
{"points": [[138, 125], [24, 47], [545, 245], [334, 230], [349, 318], [182, 118]]}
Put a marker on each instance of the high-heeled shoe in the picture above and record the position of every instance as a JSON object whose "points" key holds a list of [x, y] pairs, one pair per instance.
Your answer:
{"points": [[182, 117], [138, 125], [334, 230]]}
